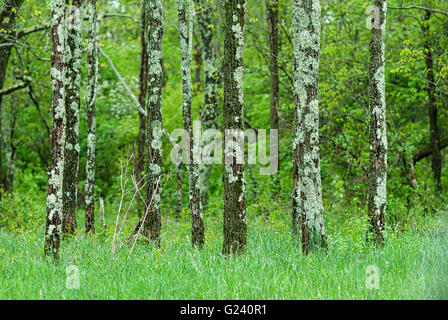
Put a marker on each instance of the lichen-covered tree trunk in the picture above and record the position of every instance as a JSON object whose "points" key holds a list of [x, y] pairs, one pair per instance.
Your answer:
{"points": [[154, 130], [143, 79], [179, 190], [73, 60], [235, 227], [272, 17], [308, 209], [377, 128], [209, 112], [197, 58], [53, 226], [185, 16], [432, 107], [8, 15], [92, 71]]}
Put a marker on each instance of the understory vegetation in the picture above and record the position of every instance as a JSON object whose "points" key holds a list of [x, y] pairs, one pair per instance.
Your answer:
{"points": [[347, 184], [413, 264]]}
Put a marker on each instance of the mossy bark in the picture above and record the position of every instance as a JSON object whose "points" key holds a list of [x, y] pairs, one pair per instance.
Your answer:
{"points": [[179, 190], [234, 224], [185, 16], [209, 112], [308, 209], [53, 228], [154, 129], [73, 58], [376, 197], [143, 83], [92, 71]]}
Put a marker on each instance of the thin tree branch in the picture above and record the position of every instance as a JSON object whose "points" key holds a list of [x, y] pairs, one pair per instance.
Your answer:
{"points": [[120, 15], [36, 103], [36, 28], [23, 84], [419, 8], [131, 94]]}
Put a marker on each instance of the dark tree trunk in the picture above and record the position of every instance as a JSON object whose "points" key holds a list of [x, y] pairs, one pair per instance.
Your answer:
{"points": [[73, 56], [308, 209], [235, 227], [53, 226], [10, 161], [432, 107], [272, 17], [154, 129], [8, 15], [92, 70], [377, 198], [209, 113], [140, 157]]}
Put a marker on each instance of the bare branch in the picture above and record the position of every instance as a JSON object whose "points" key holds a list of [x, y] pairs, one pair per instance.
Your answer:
{"points": [[22, 84], [419, 8], [120, 15], [33, 29]]}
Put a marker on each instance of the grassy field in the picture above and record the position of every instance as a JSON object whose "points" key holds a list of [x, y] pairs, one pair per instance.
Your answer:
{"points": [[412, 265]]}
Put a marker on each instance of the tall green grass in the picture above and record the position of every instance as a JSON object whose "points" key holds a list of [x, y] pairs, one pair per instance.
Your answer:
{"points": [[412, 265]]}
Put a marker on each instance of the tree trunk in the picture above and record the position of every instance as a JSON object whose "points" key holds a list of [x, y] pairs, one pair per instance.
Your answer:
{"points": [[73, 57], [8, 15], [154, 129], [179, 190], [235, 227], [10, 163], [185, 16], [142, 99], [92, 70], [432, 107], [209, 112], [377, 198], [272, 17], [308, 209], [197, 54], [10, 158], [53, 226]]}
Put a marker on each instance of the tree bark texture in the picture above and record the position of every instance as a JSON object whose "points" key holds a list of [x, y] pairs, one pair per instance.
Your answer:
{"points": [[235, 227], [376, 197], [308, 209]]}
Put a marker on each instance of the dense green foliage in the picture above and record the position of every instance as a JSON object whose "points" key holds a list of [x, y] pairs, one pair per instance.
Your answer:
{"points": [[415, 255]]}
